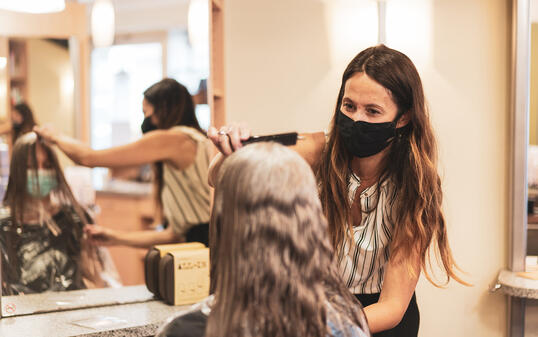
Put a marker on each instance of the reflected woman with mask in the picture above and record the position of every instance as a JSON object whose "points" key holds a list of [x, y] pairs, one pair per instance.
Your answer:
{"points": [[22, 121], [180, 152], [42, 243]]}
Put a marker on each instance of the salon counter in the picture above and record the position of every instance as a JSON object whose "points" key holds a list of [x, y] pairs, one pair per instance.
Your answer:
{"points": [[141, 318]]}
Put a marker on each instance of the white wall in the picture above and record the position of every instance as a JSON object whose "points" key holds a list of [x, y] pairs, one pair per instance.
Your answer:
{"points": [[467, 83], [142, 15], [284, 60]]}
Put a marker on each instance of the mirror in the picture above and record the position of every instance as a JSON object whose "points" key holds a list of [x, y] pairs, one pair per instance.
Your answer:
{"points": [[95, 94], [40, 89], [532, 156], [523, 230]]}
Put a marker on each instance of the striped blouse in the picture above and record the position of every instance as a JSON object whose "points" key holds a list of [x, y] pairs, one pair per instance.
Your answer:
{"points": [[186, 193], [363, 265]]}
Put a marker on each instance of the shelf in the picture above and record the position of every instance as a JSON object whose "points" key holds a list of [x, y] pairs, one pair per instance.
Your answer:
{"points": [[512, 284]]}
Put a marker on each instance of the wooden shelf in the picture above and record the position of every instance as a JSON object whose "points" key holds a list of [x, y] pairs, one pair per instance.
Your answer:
{"points": [[17, 64]]}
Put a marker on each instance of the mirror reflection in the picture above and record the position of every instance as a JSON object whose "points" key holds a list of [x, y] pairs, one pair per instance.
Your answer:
{"points": [[532, 228], [41, 232], [43, 247], [69, 223]]}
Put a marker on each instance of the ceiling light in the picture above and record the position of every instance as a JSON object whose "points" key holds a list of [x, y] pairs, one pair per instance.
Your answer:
{"points": [[198, 24], [102, 23], [33, 6]]}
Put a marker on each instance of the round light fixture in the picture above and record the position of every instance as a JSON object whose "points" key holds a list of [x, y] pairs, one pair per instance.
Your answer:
{"points": [[198, 25], [102, 23], [33, 6]]}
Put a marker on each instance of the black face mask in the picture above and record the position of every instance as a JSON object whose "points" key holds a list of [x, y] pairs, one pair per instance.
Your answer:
{"points": [[16, 126], [363, 139], [147, 125]]}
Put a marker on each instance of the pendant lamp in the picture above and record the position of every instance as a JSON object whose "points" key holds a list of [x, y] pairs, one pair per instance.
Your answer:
{"points": [[102, 23], [33, 6]]}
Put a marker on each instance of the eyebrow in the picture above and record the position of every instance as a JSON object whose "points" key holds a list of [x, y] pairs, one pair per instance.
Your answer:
{"points": [[369, 105]]}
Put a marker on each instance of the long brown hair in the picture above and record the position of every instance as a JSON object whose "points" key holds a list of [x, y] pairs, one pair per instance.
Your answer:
{"points": [[411, 164], [24, 158], [272, 268], [173, 105], [18, 199], [28, 120]]}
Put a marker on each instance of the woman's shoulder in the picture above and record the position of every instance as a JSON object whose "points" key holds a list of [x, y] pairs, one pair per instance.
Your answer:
{"points": [[342, 326], [188, 131], [5, 215], [6, 225], [190, 323]]}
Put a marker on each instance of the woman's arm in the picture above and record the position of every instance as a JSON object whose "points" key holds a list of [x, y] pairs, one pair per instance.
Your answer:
{"points": [[139, 239], [155, 146], [5, 127], [310, 146], [398, 288]]}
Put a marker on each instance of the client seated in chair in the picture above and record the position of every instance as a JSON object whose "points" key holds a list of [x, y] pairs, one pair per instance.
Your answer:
{"points": [[41, 226], [272, 268]]}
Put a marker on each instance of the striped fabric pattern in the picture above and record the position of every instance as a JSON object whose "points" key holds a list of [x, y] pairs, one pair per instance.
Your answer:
{"points": [[362, 264], [186, 193]]}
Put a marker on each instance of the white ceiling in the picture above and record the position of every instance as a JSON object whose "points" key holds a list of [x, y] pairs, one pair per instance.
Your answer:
{"points": [[147, 15], [132, 4]]}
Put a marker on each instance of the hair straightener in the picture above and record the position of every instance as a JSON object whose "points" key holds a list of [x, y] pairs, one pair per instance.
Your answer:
{"points": [[287, 139]]}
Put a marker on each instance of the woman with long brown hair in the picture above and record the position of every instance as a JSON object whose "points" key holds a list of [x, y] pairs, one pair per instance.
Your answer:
{"points": [[271, 261], [42, 244], [22, 121], [379, 187], [179, 150]]}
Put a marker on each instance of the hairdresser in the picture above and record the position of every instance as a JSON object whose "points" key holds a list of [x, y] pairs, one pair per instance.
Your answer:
{"points": [[379, 187], [180, 152]]}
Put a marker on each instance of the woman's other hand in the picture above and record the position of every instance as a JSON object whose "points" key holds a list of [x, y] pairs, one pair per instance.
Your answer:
{"points": [[228, 138], [46, 133], [102, 236]]}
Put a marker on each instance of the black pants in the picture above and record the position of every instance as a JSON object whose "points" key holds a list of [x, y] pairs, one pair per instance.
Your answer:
{"points": [[408, 327], [198, 233]]}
